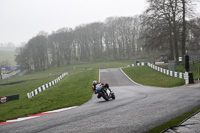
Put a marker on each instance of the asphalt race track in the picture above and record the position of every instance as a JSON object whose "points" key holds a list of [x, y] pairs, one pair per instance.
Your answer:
{"points": [[136, 109]]}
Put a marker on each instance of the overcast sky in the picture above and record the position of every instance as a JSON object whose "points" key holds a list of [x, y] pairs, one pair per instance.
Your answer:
{"points": [[20, 20]]}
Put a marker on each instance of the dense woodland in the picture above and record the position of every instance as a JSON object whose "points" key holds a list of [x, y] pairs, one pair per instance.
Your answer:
{"points": [[170, 26]]}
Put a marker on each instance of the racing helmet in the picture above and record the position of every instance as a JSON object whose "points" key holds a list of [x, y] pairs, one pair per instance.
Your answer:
{"points": [[94, 82]]}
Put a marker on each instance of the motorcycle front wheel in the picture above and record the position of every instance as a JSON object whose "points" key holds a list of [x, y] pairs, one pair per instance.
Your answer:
{"points": [[113, 96], [105, 96]]}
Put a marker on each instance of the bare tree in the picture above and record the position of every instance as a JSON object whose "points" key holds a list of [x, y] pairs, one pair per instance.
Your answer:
{"points": [[23, 58], [172, 13], [82, 42], [193, 32]]}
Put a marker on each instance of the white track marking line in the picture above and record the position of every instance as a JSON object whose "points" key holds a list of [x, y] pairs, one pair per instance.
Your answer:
{"points": [[99, 74], [38, 115], [60, 110], [22, 119]]}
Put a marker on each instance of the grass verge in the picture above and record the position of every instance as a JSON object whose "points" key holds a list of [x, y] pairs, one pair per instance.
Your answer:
{"points": [[147, 76]]}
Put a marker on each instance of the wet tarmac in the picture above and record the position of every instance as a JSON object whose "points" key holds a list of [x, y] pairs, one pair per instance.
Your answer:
{"points": [[191, 124]]}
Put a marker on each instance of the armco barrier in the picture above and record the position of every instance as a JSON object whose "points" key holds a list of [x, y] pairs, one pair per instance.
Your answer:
{"points": [[44, 87], [165, 71]]}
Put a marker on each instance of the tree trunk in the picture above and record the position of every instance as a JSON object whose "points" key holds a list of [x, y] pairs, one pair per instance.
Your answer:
{"points": [[183, 34]]}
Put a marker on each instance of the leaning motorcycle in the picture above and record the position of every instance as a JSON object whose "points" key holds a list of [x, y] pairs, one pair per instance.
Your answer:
{"points": [[105, 93]]}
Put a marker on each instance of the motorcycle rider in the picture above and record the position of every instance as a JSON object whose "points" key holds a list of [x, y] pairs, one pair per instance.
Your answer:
{"points": [[99, 84]]}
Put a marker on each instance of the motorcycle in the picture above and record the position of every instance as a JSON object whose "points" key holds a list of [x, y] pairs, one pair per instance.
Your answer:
{"points": [[106, 93]]}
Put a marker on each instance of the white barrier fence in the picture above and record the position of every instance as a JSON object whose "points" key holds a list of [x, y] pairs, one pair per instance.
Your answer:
{"points": [[44, 87], [165, 71]]}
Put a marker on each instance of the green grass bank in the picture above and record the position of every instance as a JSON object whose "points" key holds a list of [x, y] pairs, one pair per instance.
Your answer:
{"points": [[147, 76]]}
